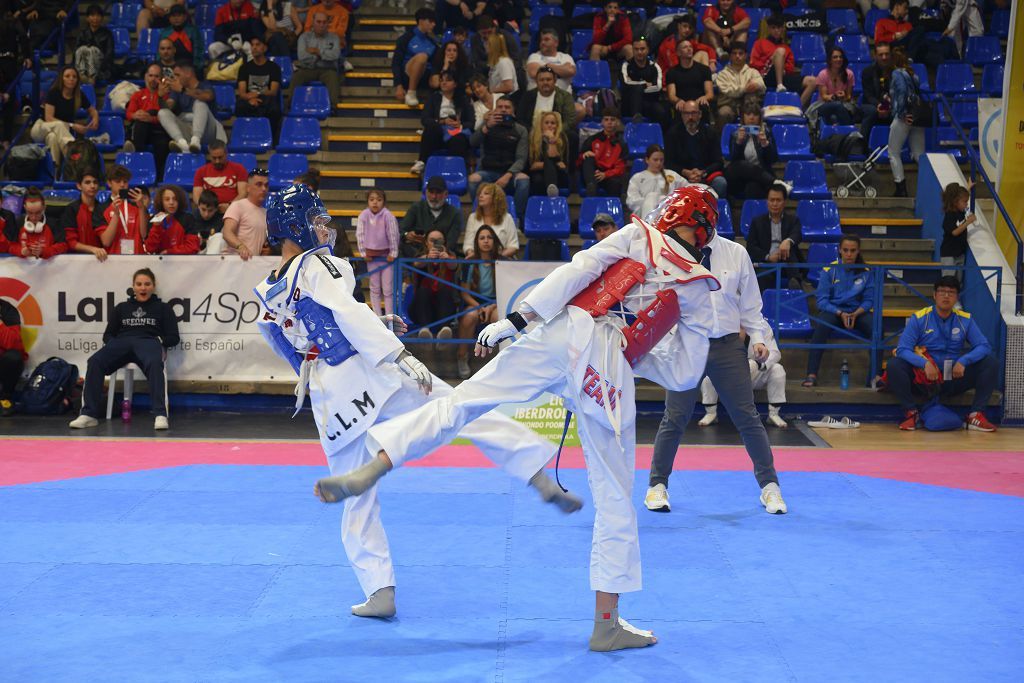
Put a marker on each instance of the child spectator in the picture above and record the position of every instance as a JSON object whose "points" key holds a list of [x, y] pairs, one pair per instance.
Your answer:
{"points": [[479, 280], [412, 54], [172, 230], [127, 216], [955, 222], [648, 187], [613, 36], [773, 57], [492, 210], [549, 155], [603, 157], [447, 122], [208, 220], [377, 240], [94, 48], [83, 219], [35, 238]]}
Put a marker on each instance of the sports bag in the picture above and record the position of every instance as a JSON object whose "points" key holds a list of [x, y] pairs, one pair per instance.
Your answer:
{"points": [[23, 162], [50, 388], [938, 418], [80, 156]]}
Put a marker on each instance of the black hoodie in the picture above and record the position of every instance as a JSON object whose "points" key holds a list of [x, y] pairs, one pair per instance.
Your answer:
{"points": [[151, 319]]}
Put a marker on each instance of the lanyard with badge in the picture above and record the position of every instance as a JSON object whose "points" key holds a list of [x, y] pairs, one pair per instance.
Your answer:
{"points": [[127, 244], [947, 363]]}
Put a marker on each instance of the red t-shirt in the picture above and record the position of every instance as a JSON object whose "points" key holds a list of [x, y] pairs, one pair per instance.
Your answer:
{"points": [[222, 182], [712, 14], [887, 27], [132, 233], [761, 56]]}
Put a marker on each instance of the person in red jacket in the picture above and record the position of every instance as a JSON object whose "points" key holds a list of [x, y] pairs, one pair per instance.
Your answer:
{"points": [[82, 220], [141, 115], [895, 28], [603, 157], [686, 29], [35, 237], [774, 59], [12, 354], [725, 23], [171, 230], [613, 36], [126, 218]]}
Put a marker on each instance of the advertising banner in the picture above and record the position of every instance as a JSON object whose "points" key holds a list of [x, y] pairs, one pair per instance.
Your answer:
{"points": [[1011, 157], [990, 135]]}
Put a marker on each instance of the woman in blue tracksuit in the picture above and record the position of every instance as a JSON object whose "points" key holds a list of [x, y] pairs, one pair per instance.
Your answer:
{"points": [[846, 296]]}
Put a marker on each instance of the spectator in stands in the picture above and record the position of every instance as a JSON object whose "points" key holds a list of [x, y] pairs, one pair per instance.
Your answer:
{"points": [[377, 240], [281, 20], [773, 57], [155, 14], [613, 35], [207, 220], [42, 17], [171, 229], [547, 97], [83, 220], [685, 30], [319, 58], [955, 221], [143, 117], [905, 94], [900, 31], [14, 55], [184, 36], [562, 64], [94, 48], [57, 127], [447, 122], [835, 103], [737, 83], [478, 278], [338, 19], [226, 179], [876, 106], [259, 88], [126, 218], [188, 121], [641, 85], [769, 375], [603, 158], [483, 100], [425, 215], [492, 210], [603, 226], [245, 221], [846, 299], [501, 79], [479, 50], [693, 148], [433, 298], [725, 23], [12, 355], [35, 238], [775, 237], [964, 17], [688, 81], [236, 23], [508, 13], [411, 56], [166, 57], [945, 332], [455, 14], [752, 153], [549, 155], [453, 59], [505, 150], [648, 187], [133, 338]]}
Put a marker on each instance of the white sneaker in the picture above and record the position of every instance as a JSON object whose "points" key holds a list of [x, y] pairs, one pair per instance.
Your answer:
{"points": [[348, 66], [160, 422], [464, 369], [195, 145], [425, 333], [129, 146], [411, 99], [710, 418], [780, 88], [771, 498], [83, 421], [775, 420], [417, 167], [656, 499], [552, 191], [445, 333], [179, 145]]}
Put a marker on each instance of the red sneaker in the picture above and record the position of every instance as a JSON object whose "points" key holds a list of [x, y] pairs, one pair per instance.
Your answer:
{"points": [[977, 421], [909, 423]]}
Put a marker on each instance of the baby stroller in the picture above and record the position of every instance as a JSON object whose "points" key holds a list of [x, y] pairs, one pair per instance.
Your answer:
{"points": [[858, 175]]}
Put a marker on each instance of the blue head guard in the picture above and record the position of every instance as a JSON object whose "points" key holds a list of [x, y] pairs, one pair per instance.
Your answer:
{"points": [[297, 214]]}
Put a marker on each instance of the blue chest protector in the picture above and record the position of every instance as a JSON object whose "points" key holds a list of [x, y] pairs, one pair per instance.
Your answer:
{"points": [[324, 332]]}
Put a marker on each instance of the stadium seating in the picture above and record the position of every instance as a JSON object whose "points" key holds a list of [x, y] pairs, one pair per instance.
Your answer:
{"points": [[807, 179], [858, 75], [141, 164], [827, 130], [300, 134], [122, 42], [955, 79], [811, 68], [786, 98], [146, 47], [252, 134], [224, 100], [820, 252], [246, 160], [592, 75], [581, 40], [992, 80], [871, 18], [855, 46], [842, 21], [112, 125], [284, 168], [964, 113], [921, 71], [66, 194], [983, 50], [591, 206], [880, 138], [793, 142], [786, 311], [286, 69], [724, 227], [452, 169], [999, 26], [123, 14], [180, 169], [819, 220], [727, 131], [205, 15], [807, 47], [639, 136], [547, 217], [751, 209], [311, 100], [946, 140]]}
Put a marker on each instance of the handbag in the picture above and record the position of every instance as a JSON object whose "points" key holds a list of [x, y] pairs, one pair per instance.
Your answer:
{"points": [[226, 66], [919, 108]]}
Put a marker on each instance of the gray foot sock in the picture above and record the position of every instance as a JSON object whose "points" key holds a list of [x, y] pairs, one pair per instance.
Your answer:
{"points": [[380, 604], [551, 492], [336, 489], [612, 633]]}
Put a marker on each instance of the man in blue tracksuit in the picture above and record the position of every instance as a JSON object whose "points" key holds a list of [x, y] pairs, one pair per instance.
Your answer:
{"points": [[411, 57], [961, 357]]}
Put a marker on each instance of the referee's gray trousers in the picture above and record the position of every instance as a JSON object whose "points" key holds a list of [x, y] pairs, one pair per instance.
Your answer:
{"points": [[729, 371]]}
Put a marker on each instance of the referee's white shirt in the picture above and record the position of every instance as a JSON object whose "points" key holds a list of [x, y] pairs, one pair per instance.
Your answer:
{"points": [[738, 303]]}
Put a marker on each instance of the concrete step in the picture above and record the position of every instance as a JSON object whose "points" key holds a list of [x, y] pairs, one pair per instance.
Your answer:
{"points": [[377, 34]]}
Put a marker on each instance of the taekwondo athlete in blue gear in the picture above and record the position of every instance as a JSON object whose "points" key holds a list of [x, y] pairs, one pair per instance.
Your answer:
{"points": [[358, 373]]}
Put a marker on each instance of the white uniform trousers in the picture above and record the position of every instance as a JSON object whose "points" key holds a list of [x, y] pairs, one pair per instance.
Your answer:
{"points": [[773, 379]]}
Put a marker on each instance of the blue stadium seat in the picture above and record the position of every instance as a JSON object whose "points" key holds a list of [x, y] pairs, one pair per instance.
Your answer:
{"points": [[786, 311], [122, 42], [112, 125], [251, 134], [452, 169], [580, 10], [286, 69], [819, 219], [588, 243], [284, 168], [70, 194], [811, 69], [842, 21], [246, 160], [148, 41], [311, 100], [638, 166], [592, 75], [547, 217], [827, 130], [793, 142], [455, 202], [921, 71], [999, 26], [46, 79], [855, 45], [756, 15], [945, 140], [208, 36], [180, 169], [992, 80], [823, 253], [591, 206], [752, 208], [564, 253], [89, 91], [724, 227], [141, 164], [782, 98], [639, 136], [858, 71], [807, 47], [871, 18], [984, 50], [965, 113], [955, 78], [123, 14], [880, 138], [205, 15], [581, 40], [727, 131], [224, 100], [300, 134], [807, 179]]}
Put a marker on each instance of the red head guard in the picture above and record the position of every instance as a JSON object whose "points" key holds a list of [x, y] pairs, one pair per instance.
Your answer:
{"points": [[693, 206]]}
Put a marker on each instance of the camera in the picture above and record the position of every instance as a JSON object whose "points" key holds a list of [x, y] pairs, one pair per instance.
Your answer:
{"points": [[437, 244], [753, 130], [123, 194]]}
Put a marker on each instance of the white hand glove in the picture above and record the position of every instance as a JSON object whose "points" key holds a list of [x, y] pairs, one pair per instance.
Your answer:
{"points": [[395, 324], [496, 332], [412, 367]]}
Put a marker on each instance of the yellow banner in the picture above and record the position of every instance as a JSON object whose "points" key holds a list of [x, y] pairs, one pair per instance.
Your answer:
{"points": [[1011, 166]]}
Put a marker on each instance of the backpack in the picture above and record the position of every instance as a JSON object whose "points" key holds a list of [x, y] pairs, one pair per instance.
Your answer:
{"points": [[226, 66], [23, 162], [80, 156], [50, 389]]}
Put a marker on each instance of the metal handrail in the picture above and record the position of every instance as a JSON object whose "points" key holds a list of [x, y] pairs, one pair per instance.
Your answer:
{"points": [[975, 160]]}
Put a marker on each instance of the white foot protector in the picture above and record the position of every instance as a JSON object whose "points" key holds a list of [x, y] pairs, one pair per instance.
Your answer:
{"points": [[381, 604], [338, 488], [612, 632], [550, 492]]}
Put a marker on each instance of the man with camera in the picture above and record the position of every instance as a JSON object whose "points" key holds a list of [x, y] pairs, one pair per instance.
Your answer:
{"points": [[189, 112], [505, 151], [143, 117], [432, 213]]}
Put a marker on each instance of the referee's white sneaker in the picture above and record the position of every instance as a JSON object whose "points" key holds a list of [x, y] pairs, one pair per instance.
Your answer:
{"points": [[160, 422], [656, 499], [771, 498], [83, 421]]}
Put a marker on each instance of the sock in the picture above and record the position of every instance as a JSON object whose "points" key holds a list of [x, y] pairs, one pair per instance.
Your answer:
{"points": [[550, 492], [381, 604], [335, 489], [773, 409], [711, 409], [614, 633]]}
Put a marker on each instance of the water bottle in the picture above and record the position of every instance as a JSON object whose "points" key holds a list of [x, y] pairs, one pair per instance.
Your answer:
{"points": [[844, 375], [126, 410]]}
